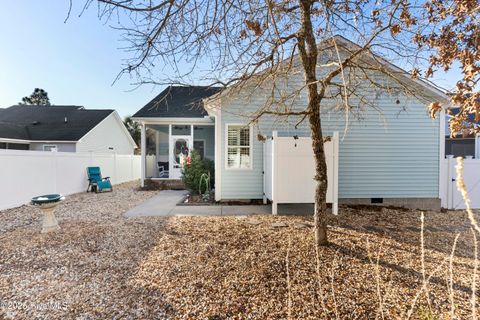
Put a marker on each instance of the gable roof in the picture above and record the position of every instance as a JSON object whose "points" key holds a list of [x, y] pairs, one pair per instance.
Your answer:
{"points": [[178, 102], [425, 88], [372, 58], [49, 123]]}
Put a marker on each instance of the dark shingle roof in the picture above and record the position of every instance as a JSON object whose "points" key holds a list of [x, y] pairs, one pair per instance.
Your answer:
{"points": [[48, 122], [178, 102], [471, 116]]}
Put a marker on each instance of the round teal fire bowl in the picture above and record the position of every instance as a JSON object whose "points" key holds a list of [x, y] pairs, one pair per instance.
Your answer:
{"points": [[47, 204]]}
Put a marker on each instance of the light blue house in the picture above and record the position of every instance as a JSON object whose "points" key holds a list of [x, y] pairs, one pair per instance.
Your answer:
{"points": [[389, 149]]}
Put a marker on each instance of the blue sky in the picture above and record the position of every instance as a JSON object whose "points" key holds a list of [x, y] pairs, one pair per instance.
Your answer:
{"points": [[76, 62]]}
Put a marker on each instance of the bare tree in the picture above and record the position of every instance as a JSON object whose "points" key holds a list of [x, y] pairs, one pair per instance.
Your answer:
{"points": [[238, 42]]}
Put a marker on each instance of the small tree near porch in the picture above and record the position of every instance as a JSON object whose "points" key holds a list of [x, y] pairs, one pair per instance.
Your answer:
{"points": [[233, 43]]}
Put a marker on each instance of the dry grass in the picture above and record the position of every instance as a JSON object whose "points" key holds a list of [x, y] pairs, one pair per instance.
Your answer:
{"points": [[102, 265]]}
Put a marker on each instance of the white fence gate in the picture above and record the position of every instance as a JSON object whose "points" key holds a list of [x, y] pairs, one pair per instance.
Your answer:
{"points": [[471, 174], [25, 174], [289, 167]]}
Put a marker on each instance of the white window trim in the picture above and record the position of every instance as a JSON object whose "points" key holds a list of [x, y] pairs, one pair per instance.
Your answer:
{"points": [[250, 132], [51, 146]]}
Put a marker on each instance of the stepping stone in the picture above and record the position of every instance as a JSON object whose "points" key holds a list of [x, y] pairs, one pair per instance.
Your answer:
{"points": [[279, 225], [301, 225], [253, 222], [432, 229], [414, 229], [241, 217], [373, 229]]}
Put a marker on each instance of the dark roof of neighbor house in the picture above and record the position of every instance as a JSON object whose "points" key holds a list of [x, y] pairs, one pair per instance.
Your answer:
{"points": [[471, 116], [178, 102], [49, 123]]}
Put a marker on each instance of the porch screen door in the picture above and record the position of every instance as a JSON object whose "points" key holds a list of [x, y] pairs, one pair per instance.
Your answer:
{"points": [[180, 148]]}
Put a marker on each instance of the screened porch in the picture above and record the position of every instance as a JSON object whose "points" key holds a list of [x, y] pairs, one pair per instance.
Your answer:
{"points": [[168, 146]]}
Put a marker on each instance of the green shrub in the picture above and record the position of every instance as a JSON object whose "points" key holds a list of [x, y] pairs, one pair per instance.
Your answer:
{"points": [[192, 173]]}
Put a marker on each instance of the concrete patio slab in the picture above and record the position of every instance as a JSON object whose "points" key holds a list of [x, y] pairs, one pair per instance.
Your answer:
{"points": [[197, 211], [219, 210], [161, 204], [246, 210], [165, 204]]}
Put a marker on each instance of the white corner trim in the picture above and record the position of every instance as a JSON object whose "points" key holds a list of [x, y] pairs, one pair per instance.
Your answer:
{"points": [[218, 156], [143, 154], [477, 146], [250, 146], [442, 178]]}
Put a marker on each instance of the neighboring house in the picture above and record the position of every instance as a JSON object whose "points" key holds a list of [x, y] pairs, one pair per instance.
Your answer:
{"points": [[462, 146], [64, 129], [391, 155]]}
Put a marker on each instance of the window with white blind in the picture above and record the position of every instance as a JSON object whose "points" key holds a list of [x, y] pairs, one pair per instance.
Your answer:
{"points": [[238, 147], [49, 147]]}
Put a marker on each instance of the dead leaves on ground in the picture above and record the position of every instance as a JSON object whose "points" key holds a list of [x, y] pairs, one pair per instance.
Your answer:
{"points": [[102, 265]]}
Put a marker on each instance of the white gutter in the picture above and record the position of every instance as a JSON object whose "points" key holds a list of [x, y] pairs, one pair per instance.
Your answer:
{"points": [[160, 120]]}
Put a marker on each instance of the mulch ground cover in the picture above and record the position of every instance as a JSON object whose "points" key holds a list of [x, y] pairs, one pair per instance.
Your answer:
{"points": [[102, 265]]}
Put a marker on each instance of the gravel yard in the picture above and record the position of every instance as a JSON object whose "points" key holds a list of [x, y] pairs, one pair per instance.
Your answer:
{"points": [[102, 265]]}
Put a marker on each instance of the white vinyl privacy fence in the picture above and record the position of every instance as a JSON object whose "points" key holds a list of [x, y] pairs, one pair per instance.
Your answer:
{"points": [[25, 174], [289, 167], [452, 198]]}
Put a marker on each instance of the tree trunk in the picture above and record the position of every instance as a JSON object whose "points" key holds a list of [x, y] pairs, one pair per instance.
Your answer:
{"points": [[308, 53], [320, 176]]}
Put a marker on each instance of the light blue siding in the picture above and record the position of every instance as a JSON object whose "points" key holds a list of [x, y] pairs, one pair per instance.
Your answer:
{"points": [[391, 152]]}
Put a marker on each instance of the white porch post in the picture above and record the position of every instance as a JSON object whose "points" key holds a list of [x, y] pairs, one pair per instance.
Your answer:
{"points": [[143, 149], [157, 147], [157, 152], [170, 152], [191, 138]]}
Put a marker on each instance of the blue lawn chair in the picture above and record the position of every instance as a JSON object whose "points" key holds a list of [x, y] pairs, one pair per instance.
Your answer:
{"points": [[96, 182]]}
